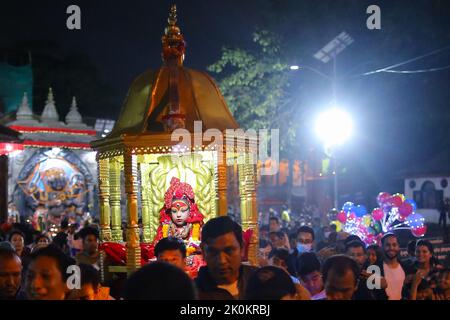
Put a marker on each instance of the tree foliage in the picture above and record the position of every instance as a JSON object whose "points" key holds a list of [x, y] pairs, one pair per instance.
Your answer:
{"points": [[254, 82]]}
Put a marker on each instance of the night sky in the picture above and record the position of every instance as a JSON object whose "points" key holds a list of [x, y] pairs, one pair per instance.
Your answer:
{"points": [[402, 120]]}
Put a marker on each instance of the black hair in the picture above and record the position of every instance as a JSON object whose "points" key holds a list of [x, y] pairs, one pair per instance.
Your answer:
{"points": [[6, 253], [340, 264], [219, 226], [170, 243], [159, 281], [280, 253], [278, 234], [275, 219], [387, 236], [411, 247], [269, 283], [355, 244], [307, 263], [429, 245], [89, 275], [377, 250], [65, 224], [425, 243], [306, 229], [263, 243], [52, 251], [41, 236], [60, 240], [352, 238], [16, 231], [86, 231]]}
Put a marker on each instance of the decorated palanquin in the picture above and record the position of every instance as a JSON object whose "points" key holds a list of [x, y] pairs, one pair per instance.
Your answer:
{"points": [[165, 165]]}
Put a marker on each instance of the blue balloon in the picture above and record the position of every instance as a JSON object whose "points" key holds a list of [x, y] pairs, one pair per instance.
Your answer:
{"points": [[348, 206], [412, 203], [415, 220], [360, 211]]}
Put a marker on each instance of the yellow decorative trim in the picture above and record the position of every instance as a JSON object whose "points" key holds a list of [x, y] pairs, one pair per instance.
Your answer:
{"points": [[196, 232], [115, 197], [165, 230], [103, 194]]}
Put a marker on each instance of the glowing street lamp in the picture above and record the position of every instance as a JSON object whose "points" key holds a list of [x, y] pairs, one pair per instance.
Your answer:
{"points": [[334, 127]]}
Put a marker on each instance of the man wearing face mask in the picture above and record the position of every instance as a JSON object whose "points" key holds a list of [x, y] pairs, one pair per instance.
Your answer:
{"points": [[304, 243]]}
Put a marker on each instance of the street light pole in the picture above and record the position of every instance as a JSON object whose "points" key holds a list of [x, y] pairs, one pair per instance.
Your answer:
{"points": [[336, 194], [334, 127]]}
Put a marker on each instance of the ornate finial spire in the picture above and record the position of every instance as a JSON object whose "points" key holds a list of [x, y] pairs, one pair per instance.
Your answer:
{"points": [[50, 114], [172, 15], [173, 41], [73, 117], [50, 98], [24, 112], [74, 103], [25, 100]]}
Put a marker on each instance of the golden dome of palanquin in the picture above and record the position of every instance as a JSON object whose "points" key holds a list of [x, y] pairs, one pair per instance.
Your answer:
{"points": [[172, 91]]}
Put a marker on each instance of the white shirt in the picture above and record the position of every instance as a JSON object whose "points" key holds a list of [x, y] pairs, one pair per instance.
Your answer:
{"points": [[394, 278]]}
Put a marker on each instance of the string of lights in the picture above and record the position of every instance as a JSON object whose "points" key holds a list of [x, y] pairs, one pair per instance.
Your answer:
{"points": [[389, 68]]}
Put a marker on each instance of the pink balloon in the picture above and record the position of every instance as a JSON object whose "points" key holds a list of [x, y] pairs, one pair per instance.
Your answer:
{"points": [[341, 216], [382, 198], [396, 201], [405, 209], [377, 214], [420, 231]]}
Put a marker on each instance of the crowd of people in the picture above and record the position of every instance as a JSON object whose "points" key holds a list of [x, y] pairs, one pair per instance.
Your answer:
{"points": [[293, 265], [342, 266]]}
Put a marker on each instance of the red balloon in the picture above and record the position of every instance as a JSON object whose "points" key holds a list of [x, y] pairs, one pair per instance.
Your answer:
{"points": [[351, 216], [420, 231], [396, 201], [405, 209], [382, 198], [377, 214], [341, 216]]}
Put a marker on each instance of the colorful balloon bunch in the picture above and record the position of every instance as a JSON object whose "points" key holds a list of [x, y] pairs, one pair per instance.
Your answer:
{"points": [[353, 219], [395, 212]]}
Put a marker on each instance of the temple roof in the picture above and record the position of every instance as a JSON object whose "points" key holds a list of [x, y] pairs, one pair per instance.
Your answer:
{"points": [[173, 96], [147, 103], [49, 131]]}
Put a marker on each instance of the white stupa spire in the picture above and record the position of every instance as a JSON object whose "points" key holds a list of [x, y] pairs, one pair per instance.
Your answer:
{"points": [[24, 112], [73, 117], [50, 115]]}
